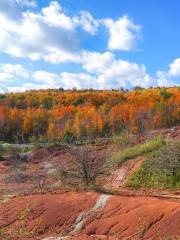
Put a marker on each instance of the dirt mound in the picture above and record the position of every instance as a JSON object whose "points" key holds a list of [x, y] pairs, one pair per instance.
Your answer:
{"points": [[89, 216]]}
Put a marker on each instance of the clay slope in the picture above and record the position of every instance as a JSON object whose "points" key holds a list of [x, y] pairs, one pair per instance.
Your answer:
{"points": [[119, 176], [89, 216]]}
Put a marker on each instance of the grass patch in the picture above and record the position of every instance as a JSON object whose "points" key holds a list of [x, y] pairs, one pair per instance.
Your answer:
{"points": [[12, 149], [140, 149], [160, 170], [122, 139], [120, 157]]}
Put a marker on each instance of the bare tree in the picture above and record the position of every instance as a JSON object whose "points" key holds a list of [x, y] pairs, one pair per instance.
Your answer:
{"points": [[86, 167]]}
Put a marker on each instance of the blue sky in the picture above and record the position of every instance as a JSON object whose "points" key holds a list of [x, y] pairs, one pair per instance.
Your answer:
{"points": [[100, 44]]}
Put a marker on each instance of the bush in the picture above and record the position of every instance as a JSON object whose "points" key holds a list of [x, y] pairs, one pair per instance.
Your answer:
{"points": [[69, 137], [161, 169], [120, 157], [123, 139], [17, 176], [140, 149], [62, 174]]}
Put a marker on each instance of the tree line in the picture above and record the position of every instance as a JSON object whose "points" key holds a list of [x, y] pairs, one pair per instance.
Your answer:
{"points": [[55, 115]]}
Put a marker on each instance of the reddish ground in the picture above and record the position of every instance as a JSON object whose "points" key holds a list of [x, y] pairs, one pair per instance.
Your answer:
{"points": [[44, 164], [119, 177], [131, 214], [39, 216]]}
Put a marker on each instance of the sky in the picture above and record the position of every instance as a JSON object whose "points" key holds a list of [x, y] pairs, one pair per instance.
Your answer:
{"points": [[101, 44]]}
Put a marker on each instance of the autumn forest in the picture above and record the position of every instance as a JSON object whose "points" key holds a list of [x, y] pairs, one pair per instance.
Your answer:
{"points": [[48, 115]]}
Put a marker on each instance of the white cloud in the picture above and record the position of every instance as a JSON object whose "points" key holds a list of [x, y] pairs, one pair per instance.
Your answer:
{"points": [[163, 79], [125, 74], [64, 79], [26, 3], [16, 69], [110, 73], [48, 79], [174, 68], [53, 16], [10, 72], [87, 22], [169, 78], [119, 74], [78, 80], [115, 73], [95, 62], [53, 36], [102, 71], [123, 33], [50, 35]]}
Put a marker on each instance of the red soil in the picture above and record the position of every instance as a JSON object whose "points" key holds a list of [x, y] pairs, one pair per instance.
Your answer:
{"points": [[124, 217], [2, 169], [119, 177], [39, 216]]}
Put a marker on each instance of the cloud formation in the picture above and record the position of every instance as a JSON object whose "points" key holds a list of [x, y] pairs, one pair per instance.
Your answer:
{"points": [[105, 73], [51, 35], [123, 33], [26, 3], [174, 68]]}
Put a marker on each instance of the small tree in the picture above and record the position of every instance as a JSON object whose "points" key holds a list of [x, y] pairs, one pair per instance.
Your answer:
{"points": [[86, 168]]}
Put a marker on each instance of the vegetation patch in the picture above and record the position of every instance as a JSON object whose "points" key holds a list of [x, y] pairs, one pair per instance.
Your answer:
{"points": [[17, 176], [120, 157], [160, 170], [122, 139]]}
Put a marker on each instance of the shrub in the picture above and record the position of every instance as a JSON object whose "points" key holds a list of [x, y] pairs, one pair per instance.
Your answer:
{"points": [[17, 176], [140, 149], [120, 157], [86, 167], [161, 169], [123, 139], [61, 174], [69, 137]]}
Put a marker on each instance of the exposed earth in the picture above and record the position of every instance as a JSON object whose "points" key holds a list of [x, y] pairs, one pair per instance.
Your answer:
{"points": [[90, 214], [39, 208]]}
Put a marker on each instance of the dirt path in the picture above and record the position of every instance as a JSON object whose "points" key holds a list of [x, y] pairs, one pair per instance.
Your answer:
{"points": [[89, 215], [119, 177]]}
